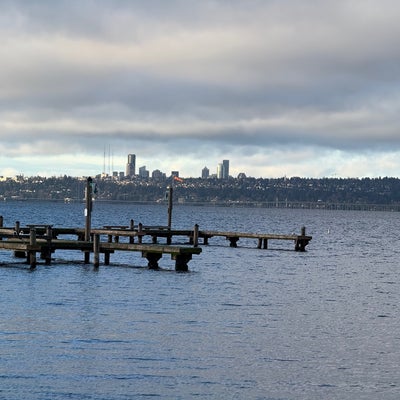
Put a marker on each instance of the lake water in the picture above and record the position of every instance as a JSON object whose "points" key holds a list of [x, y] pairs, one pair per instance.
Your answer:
{"points": [[244, 323]]}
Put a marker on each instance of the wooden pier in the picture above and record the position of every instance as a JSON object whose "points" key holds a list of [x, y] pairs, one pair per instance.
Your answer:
{"points": [[30, 240], [45, 240]]}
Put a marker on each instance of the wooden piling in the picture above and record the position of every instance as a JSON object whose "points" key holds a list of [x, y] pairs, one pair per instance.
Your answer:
{"points": [[140, 232], [88, 209], [17, 228], [88, 215], [196, 236], [170, 193], [47, 252], [96, 250], [131, 227], [32, 253]]}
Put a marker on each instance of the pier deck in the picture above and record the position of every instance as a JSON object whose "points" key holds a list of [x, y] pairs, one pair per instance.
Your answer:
{"points": [[27, 241], [28, 245]]}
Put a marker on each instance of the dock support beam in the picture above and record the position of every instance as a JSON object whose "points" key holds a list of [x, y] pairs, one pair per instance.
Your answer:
{"points": [[233, 241], [152, 259], [181, 262], [262, 243]]}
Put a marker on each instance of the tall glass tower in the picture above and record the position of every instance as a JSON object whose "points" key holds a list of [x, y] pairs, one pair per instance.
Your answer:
{"points": [[225, 169], [131, 165]]}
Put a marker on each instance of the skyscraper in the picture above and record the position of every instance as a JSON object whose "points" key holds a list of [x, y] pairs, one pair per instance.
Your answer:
{"points": [[131, 165], [205, 173], [219, 170], [225, 169]]}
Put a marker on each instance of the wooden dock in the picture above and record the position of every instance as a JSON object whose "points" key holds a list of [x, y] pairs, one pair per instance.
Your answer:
{"points": [[32, 244], [30, 240], [300, 241]]}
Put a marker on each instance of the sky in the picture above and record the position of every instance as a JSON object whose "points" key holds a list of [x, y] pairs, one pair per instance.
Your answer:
{"points": [[305, 88]]}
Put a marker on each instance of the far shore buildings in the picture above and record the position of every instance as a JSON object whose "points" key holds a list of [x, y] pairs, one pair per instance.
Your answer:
{"points": [[130, 171]]}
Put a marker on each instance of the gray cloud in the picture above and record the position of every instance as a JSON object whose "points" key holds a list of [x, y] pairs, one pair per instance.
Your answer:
{"points": [[189, 80]]}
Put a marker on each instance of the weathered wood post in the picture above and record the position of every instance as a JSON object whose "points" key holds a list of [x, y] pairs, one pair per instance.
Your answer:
{"points": [[88, 214], [1, 225], [47, 253], [17, 228], [96, 250], [169, 194], [32, 253], [301, 241], [196, 236], [131, 227], [140, 230], [88, 208]]}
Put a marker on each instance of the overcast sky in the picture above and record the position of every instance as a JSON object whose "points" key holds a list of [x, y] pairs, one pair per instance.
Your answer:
{"points": [[280, 88]]}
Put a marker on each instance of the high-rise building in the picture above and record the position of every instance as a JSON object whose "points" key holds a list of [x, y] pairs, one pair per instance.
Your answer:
{"points": [[143, 173], [131, 165], [205, 173], [219, 171], [225, 169], [158, 175]]}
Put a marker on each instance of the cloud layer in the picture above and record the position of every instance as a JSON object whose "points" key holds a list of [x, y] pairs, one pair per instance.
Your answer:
{"points": [[278, 87]]}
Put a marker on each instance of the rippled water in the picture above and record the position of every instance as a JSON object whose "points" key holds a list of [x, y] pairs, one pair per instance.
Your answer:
{"points": [[242, 324]]}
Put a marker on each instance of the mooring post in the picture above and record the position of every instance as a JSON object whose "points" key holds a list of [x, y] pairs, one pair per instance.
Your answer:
{"points": [[140, 235], [88, 215], [301, 241], [169, 194], [96, 250], [131, 227], [196, 235], [1, 225], [32, 253], [88, 208], [17, 228], [49, 236]]}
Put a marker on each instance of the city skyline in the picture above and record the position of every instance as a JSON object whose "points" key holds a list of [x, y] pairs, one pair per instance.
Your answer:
{"points": [[280, 88], [131, 166]]}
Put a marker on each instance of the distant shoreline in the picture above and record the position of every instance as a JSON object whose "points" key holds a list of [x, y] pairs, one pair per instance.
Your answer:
{"points": [[247, 204]]}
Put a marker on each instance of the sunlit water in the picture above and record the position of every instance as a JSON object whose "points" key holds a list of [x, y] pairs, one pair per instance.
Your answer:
{"points": [[242, 324]]}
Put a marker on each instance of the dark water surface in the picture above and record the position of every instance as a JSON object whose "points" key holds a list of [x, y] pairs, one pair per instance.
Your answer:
{"points": [[242, 324]]}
